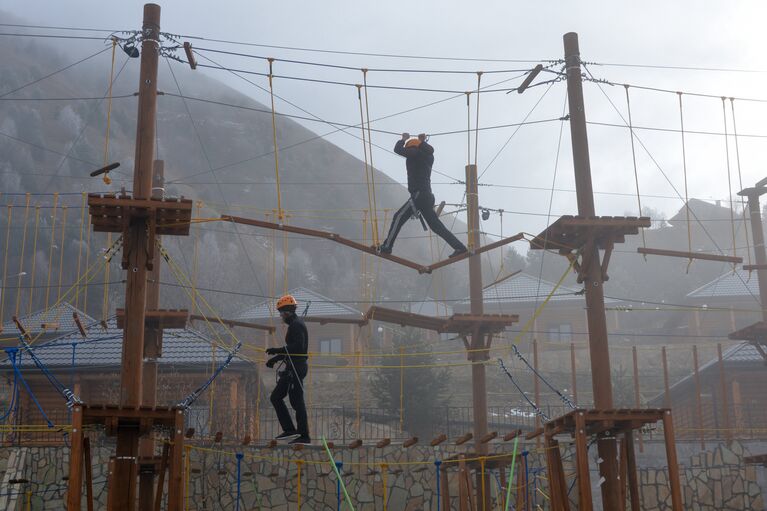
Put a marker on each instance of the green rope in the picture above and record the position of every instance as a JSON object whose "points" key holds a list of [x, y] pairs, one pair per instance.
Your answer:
{"points": [[338, 474], [511, 474]]}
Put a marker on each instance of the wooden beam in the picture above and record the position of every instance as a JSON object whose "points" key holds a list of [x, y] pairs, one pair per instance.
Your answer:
{"points": [[631, 467], [88, 462], [189, 55], [75, 482], [161, 477], [480, 250], [233, 323], [585, 502], [751, 267], [689, 255]]}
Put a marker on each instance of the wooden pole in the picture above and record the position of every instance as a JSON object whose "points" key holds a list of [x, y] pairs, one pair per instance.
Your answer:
{"points": [[573, 370], [152, 351], [88, 462], [698, 402], [585, 502], [631, 466], [75, 482], [161, 477], [725, 397], [593, 281], [673, 464], [176, 468], [478, 344], [666, 389], [637, 400], [136, 245]]}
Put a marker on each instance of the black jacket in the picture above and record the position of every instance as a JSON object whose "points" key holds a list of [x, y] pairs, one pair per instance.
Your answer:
{"points": [[419, 162], [296, 343]]}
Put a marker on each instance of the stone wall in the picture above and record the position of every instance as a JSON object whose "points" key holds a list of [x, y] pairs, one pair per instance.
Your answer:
{"points": [[713, 480]]}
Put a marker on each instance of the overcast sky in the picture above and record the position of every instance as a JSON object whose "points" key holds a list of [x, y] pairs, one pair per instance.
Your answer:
{"points": [[658, 33]]}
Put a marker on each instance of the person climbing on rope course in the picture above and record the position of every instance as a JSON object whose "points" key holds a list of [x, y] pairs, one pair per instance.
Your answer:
{"points": [[291, 373], [419, 158]]}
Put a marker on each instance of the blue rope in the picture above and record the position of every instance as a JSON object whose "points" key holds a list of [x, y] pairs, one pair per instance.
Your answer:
{"points": [[26, 386], [14, 393], [70, 396], [538, 411], [191, 398], [239, 456], [565, 399], [340, 464], [437, 464]]}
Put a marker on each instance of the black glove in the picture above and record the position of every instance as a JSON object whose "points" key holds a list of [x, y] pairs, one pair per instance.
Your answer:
{"points": [[270, 363], [272, 351]]}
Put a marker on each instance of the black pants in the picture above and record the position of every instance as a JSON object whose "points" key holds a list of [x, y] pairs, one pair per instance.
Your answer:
{"points": [[290, 385], [424, 202]]}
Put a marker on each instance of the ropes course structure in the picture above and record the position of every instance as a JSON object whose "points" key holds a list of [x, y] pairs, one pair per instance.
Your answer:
{"points": [[139, 218]]}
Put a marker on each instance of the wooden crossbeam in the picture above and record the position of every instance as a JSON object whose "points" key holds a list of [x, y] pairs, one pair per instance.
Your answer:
{"points": [[689, 255], [234, 322], [457, 323], [751, 267], [570, 233], [370, 250]]}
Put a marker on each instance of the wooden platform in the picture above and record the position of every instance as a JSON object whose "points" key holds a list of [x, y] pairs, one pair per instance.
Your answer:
{"points": [[112, 213], [233, 323], [159, 318], [457, 323], [569, 232], [364, 248], [144, 418], [600, 421]]}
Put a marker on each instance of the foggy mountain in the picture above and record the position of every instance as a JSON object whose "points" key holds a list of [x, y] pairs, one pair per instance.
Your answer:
{"points": [[51, 145]]}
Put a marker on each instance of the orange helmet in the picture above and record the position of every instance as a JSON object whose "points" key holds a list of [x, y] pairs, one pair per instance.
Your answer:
{"points": [[286, 301], [413, 142]]}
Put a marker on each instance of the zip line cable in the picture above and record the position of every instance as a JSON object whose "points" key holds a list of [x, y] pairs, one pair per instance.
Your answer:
{"points": [[340, 129], [210, 166]]}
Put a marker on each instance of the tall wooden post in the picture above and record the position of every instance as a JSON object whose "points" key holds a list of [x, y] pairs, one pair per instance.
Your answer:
{"points": [[137, 246], [75, 482], [478, 345], [666, 387], [595, 300], [757, 231], [152, 351], [725, 397], [573, 369], [637, 400], [698, 403]]}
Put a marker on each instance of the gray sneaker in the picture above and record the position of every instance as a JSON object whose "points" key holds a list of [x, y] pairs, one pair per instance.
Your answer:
{"points": [[287, 435]]}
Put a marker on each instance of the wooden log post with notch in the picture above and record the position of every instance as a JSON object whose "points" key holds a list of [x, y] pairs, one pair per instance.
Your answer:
{"points": [[140, 218]]}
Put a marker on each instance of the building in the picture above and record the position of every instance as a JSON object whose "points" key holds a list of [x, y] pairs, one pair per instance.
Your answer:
{"points": [[89, 364], [726, 304], [732, 399]]}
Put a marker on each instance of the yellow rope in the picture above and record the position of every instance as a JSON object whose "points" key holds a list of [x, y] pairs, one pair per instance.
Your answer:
{"points": [[109, 111], [34, 259], [740, 179], [80, 245], [634, 160], [212, 387], [21, 258], [476, 124], [195, 260], [50, 250], [61, 248], [285, 259], [370, 154], [729, 182], [105, 299], [684, 169], [87, 264], [5, 262], [274, 139], [365, 153], [298, 475], [401, 389]]}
